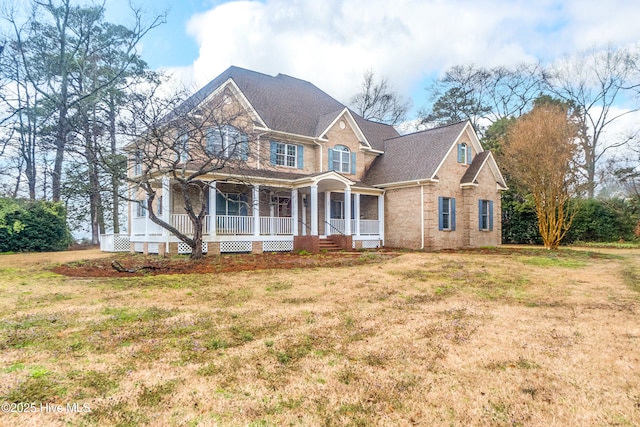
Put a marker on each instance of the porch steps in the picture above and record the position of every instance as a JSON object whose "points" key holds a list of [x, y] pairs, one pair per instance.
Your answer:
{"points": [[328, 245]]}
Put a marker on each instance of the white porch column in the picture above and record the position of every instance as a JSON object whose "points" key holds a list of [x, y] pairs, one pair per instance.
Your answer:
{"points": [[294, 211], [213, 221], [381, 216], [314, 210], [303, 228], [256, 210], [347, 211], [327, 212], [356, 214], [166, 203]]}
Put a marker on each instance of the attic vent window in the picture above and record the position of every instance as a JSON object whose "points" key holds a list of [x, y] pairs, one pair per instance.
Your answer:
{"points": [[342, 124]]}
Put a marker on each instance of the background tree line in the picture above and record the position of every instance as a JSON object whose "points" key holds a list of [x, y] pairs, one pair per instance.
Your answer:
{"points": [[68, 78], [65, 77]]}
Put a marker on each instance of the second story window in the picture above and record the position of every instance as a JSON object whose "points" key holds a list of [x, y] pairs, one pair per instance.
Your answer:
{"points": [[182, 148], [464, 154], [283, 154], [341, 159], [137, 163], [227, 142]]}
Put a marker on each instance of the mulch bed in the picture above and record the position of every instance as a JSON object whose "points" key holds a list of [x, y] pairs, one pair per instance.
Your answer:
{"points": [[154, 265]]}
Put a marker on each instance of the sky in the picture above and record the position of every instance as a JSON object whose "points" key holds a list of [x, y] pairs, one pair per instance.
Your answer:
{"points": [[332, 43]]}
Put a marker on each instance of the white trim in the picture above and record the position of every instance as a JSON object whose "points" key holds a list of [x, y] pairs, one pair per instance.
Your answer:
{"points": [[412, 183], [303, 139], [352, 122]]}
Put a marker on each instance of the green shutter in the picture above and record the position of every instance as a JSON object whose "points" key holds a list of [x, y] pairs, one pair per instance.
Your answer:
{"points": [[440, 218], [330, 160], [353, 163], [273, 153], [491, 215], [453, 214], [300, 154]]}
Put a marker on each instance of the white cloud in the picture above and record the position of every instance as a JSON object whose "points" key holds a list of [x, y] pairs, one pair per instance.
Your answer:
{"points": [[331, 43]]}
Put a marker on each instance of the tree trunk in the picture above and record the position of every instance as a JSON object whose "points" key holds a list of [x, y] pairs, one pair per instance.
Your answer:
{"points": [[115, 208]]}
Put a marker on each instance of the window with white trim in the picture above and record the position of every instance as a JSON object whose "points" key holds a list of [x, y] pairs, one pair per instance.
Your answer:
{"points": [[137, 163], [485, 215], [341, 160], [182, 148], [231, 204], [446, 213], [226, 142], [464, 154], [286, 154], [141, 208]]}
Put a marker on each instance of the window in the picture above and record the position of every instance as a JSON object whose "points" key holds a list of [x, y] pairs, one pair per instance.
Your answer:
{"points": [[227, 142], [231, 204], [137, 163], [464, 154], [341, 159], [182, 148], [446, 214], [282, 206], [485, 215], [141, 208], [283, 154], [337, 209]]}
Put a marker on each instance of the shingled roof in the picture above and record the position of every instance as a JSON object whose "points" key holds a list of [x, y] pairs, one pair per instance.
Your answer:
{"points": [[288, 104], [413, 157]]}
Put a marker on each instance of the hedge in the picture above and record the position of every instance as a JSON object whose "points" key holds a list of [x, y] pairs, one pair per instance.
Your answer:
{"points": [[33, 226]]}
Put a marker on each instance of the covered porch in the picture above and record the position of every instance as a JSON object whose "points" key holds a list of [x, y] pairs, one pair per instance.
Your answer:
{"points": [[267, 215]]}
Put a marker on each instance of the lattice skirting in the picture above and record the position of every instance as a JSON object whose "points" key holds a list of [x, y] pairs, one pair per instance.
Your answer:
{"points": [[235, 247], [121, 244], [277, 246], [183, 248], [368, 244]]}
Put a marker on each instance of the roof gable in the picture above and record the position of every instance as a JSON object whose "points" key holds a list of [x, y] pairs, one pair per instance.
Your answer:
{"points": [[286, 104], [416, 156]]}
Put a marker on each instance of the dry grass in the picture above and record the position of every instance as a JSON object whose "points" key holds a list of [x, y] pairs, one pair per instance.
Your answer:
{"points": [[423, 339]]}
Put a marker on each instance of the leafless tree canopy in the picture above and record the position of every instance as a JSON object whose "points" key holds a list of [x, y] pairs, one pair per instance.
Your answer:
{"points": [[595, 84], [378, 102], [538, 153], [185, 143]]}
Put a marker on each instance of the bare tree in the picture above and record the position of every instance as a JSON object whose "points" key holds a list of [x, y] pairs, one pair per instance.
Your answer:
{"points": [[378, 102], [595, 83], [538, 154], [184, 142], [482, 95]]}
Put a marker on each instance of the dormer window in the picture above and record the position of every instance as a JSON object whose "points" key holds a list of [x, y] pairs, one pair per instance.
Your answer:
{"points": [[342, 160], [464, 154]]}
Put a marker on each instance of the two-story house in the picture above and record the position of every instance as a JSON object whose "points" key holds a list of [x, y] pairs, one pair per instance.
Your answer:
{"points": [[313, 172]]}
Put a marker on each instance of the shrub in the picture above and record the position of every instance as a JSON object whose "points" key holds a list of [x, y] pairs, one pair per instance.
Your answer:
{"points": [[602, 221], [27, 226]]}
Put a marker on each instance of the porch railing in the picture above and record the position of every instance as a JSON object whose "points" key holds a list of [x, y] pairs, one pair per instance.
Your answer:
{"points": [[244, 225], [184, 225], [276, 225], [368, 227], [234, 224]]}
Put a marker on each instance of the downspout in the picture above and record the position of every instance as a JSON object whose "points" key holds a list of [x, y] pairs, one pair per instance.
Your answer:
{"points": [[421, 216], [259, 146], [319, 145]]}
